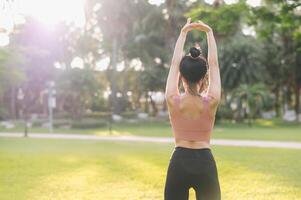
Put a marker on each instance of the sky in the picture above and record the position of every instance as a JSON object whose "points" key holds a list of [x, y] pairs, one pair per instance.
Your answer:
{"points": [[48, 12], [53, 11]]}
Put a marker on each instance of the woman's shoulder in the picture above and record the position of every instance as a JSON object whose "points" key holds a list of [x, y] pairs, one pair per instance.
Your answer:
{"points": [[211, 102], [173, 99]]}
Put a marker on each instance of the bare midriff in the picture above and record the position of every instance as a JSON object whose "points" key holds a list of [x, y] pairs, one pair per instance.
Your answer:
{"points": [[192, 144]]}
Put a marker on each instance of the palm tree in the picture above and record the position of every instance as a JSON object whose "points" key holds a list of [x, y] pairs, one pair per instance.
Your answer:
{"points": [[250, 99], [241, 62]]}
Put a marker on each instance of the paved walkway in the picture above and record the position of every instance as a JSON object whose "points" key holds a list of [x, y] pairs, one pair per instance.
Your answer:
{"points": [[221, 142]]}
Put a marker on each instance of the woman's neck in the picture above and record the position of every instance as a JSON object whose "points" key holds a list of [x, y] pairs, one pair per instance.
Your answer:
{"points": [[192, 93]]}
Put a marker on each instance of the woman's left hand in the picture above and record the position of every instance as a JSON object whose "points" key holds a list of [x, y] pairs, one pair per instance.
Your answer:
{"points": [[188, 26]]}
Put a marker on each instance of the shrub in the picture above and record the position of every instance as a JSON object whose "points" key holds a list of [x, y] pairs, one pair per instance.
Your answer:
{"points": [[98, 115], [129, 114], [88, 124], [61, 122], [224, 112]]}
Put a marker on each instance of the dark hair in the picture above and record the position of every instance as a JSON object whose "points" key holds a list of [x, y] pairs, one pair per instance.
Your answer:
{"points": [[193, 67]]}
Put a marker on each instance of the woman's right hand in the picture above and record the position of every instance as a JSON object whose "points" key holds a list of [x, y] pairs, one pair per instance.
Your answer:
{"points": [[187, 27]]}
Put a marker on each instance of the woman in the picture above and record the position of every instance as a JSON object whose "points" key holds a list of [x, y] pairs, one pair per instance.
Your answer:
{"points": [[192, 117]]}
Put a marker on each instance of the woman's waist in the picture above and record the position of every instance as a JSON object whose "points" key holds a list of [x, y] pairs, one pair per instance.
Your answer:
{"points": [[199, 138], [192, 144], [185, 153]]}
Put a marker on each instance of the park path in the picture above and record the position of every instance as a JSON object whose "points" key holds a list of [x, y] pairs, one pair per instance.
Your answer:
{"points": [[221, 142]]}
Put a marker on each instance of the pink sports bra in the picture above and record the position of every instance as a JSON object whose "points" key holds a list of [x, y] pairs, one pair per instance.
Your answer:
{"points": [[198, 129]]}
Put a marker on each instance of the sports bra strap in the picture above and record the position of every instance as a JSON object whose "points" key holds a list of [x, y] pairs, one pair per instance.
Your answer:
{"points": [[206, 100], [176, 99]]}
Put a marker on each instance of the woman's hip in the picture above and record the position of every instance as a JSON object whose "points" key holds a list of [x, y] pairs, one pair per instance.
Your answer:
{"points": [[183, 153]]}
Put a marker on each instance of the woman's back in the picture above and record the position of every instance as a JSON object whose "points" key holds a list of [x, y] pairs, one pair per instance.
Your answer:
{"points": [[192, 117]]}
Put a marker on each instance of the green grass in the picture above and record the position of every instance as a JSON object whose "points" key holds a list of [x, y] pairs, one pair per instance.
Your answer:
{"points": [[260, 130], [36, 169]]}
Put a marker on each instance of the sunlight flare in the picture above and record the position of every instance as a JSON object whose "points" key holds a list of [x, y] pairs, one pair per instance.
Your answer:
{"points": [[51, 12]]}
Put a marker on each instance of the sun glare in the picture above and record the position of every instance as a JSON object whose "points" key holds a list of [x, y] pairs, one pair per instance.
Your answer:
{"points": [[51, 12]]}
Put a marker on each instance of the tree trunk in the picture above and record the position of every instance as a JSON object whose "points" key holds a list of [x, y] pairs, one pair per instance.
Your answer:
{"points": [[170, 38], [297, 101], [154, 106], [164, 105], [146, 110], [125, 89], [249, 121], [137, 103], [277, 100], [112, 78], [298, 81], [13, 103]]}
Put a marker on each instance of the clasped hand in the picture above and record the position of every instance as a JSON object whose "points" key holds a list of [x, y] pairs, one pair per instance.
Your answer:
{"points": [[195, 25]]}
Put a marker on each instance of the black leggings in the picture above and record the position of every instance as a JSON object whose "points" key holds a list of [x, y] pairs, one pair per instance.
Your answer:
{"points": [[192, 168]]}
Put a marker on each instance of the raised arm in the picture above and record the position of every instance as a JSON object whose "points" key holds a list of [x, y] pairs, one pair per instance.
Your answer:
{"points": [[214, 89], [173, 75]]}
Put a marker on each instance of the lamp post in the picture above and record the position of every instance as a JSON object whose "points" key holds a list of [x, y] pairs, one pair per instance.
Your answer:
{"points": [[20, 97], [51, 103]]}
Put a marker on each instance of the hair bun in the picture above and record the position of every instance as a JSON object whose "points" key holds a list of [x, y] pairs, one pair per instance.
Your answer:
{"points": [[194, 52]]}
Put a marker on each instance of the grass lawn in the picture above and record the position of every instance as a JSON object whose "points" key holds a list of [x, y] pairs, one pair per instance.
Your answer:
{"points": [[260, 130], [38, 169]]}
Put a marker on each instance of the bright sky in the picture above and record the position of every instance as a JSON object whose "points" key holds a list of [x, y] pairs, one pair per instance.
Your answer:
{"points": [[49, 12], [53, 11]]}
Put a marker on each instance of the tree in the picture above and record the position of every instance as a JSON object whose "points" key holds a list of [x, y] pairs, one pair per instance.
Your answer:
{"points": [[148, 44], [278, 25], [114, 28], [241, 62], [11, 76], [39, 47], [250, 100], [225, 20], [77, 87]]}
